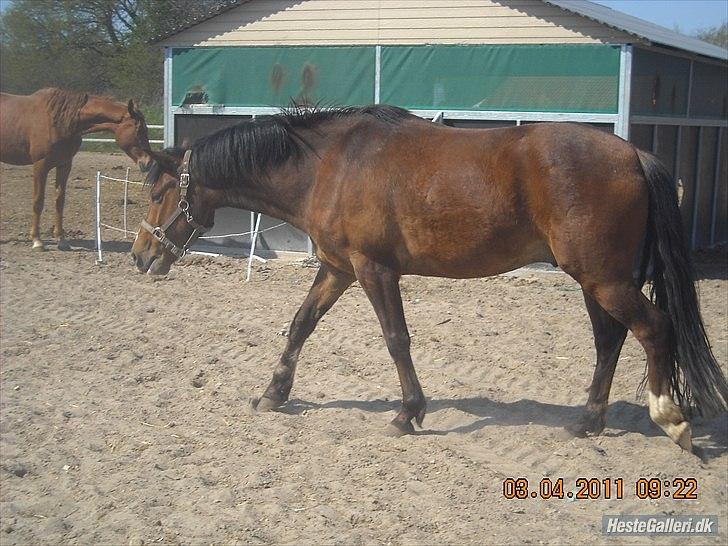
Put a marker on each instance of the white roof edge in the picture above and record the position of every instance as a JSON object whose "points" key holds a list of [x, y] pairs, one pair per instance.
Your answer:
{"points": [[640, 28]]}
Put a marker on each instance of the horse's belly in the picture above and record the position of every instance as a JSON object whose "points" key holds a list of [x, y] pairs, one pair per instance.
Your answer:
{"points": [[14, 142], [14, 157], [467, 255], [14, 150]]}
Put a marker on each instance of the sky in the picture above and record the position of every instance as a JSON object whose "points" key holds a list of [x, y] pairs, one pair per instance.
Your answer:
{"points": [[687, 16]]}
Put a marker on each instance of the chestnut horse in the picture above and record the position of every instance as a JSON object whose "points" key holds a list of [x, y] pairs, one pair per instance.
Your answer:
{"points": [[45, 129], [384, 193]]}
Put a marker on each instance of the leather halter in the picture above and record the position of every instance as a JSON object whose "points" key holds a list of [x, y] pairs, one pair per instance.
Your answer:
{"points": [[183, 207]]}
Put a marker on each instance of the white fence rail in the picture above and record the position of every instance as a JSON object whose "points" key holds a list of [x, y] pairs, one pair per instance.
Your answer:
{"points": [[113, 140]]}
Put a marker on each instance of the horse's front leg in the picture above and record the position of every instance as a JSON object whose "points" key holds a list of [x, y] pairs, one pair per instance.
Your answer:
{"points": [[40, 176], [327, 288], [62, 172], [381, 285]]}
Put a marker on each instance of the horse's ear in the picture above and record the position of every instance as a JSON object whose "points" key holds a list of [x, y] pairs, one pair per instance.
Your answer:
{"points": [[167, 161], [154, 172], [163, 162], [132, 108]]}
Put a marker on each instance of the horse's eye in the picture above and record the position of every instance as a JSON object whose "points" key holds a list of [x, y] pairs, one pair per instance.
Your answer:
{"points": [[157, 197]]}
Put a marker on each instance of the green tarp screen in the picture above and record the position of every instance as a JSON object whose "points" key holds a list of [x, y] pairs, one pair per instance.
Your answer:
{"points": [[539, 78], [272, 76]]}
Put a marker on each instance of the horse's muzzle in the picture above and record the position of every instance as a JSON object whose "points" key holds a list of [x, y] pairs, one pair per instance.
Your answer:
{"points": [[142, 263], [150, 264]]}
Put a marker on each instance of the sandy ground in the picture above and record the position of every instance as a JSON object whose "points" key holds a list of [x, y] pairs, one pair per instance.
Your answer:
{"points": [[124, 398]]}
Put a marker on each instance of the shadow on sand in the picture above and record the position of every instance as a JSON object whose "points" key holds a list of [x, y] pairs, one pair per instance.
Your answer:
{"points": [[116, 247], [622, 418]]}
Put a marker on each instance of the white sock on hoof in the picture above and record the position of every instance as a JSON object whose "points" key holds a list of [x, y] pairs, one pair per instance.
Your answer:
{"points": [[667, 415]]}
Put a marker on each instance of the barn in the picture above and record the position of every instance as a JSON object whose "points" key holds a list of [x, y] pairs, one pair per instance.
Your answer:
{"points": [[464, 63]]}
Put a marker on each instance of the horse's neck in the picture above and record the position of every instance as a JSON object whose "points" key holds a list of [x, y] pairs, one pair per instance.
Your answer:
{"points": [[99, 114], [284, 193]]}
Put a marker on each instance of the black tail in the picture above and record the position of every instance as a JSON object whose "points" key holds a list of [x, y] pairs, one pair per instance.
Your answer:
{"points": [[697, 380]]}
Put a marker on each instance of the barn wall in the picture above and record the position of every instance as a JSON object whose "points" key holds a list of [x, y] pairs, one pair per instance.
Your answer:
{"points": [[720, 205], [659, 84], [679, 105], [356, 22]]}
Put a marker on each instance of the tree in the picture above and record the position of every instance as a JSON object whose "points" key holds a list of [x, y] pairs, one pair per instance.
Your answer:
{"points": [[716, 35], [34, 50], [99, 46]]}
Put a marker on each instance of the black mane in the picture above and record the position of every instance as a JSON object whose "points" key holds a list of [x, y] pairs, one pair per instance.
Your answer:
{"points": [[247, 151]]}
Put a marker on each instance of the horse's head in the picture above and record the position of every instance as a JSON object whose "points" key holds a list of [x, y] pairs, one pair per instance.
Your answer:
{"points": [[132, 137], [179, 211]]}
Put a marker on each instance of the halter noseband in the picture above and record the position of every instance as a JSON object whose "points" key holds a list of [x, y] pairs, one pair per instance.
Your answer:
{"points": [[183, 207]]}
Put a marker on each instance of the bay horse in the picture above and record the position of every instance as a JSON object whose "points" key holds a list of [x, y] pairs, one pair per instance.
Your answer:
{"points": [[45, 130], [383, 193]]}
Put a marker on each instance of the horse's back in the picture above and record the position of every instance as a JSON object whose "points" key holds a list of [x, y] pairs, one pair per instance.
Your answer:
{"points": [[467, 203], [25, 127], [431, 199]]}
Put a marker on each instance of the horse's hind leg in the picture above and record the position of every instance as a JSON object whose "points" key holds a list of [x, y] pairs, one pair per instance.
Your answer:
{"points": [[62, 172], [609, 335], [653, 330], [40, 176], [327, 288], [381, 285]]}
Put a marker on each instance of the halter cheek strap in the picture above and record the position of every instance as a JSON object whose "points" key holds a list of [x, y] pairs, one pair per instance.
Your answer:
{"points": [[183, 208]]}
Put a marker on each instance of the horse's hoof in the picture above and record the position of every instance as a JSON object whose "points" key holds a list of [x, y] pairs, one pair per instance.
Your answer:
{"points": [[251, 406], [685, 437], [588, 425], [420, 417], [574, 430], [63, 245], [266, 404], [38, 246], [397, 429]]}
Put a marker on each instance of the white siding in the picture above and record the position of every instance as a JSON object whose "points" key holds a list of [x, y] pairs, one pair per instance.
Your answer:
{"points": [[331, 22]]}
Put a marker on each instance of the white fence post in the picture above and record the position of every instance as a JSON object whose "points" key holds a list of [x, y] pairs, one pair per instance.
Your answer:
{"points": [[126, 199], [98, 216], [252, 247]]}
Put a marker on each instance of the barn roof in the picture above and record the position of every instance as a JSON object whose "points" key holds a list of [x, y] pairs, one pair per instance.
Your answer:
{"points": [[196, 17], [601, 14]]}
